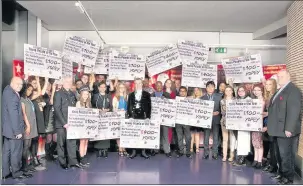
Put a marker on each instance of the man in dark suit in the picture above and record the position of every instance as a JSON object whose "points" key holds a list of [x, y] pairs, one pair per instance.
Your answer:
{"points": [[63, 99], [212, 96], [12, 130], [164, 129], [284, 125], [139, 107]]}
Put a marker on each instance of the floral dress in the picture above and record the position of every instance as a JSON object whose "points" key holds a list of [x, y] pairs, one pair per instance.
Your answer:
{"points": [[257, 138]]}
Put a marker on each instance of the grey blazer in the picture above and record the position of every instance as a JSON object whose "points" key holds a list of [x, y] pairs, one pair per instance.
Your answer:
{"points": [[217, 99], [284, 113]]}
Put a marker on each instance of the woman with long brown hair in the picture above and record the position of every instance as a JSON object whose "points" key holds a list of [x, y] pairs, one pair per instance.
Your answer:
{"points": [[270, 89], [84, 102], [257, 137], [228, 135], [120, 104], [196, 131]]}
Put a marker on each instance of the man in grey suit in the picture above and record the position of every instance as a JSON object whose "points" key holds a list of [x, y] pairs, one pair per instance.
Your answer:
{"points": [[284, 125], [212, 96], [12, 130], [164, 129]]}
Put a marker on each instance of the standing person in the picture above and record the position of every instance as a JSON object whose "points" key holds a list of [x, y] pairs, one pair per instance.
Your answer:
{"points": [[103, 102], [12, 131], [164, 129], [183, 130], [270, 90], [284, 125], [139, 107], [51, 142], [196, 131], [222, 88], [63, 99], [243, 137], [120, 104], [228, 135], [29, 116], [84, 102], [146, 86], [178, 85], [212, 96], [257, 137]]}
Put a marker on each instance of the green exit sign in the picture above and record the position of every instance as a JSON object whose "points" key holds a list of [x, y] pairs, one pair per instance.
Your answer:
{"points": [[220, 50]]}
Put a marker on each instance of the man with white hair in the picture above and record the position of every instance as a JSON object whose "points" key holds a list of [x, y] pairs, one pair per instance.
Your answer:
{"points": [[63, 99], [284, 125], [12, 131]]}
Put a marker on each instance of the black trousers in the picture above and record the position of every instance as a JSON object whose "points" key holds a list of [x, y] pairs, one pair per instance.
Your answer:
{"points": [[12, 157], [288, 148], [66, 148], [183, 130], [26, 153]]}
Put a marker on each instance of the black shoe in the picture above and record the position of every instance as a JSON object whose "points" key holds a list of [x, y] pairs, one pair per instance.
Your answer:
{"points": [[285, 181], [36, 162], [189, 156], [78, 166], [266, 168], [277, 177], [144, 155], [24, 176], [8, 176], [206, 156], [254, 164], [259, 165], [215, 157], [64, 166], [153, 153], [168, 155], [85, 160], [179, 154]]}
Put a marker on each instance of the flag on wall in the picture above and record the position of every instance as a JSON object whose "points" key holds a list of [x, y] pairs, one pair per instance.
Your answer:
{"points": [[18, 68]]}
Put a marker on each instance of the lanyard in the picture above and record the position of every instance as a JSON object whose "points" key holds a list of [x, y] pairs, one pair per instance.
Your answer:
{"points": [[29, 101]]}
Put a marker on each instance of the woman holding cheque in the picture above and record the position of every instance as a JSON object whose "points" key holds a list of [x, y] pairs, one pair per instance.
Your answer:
{"points": [[84, 102], [120, 104], [102, 101]]}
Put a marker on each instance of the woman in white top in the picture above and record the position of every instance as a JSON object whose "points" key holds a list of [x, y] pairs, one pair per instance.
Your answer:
{"points": [[120, 104], [84, 102]]}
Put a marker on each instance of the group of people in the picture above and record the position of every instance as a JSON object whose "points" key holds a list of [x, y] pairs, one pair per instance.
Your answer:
{"points": [[30, 112]]}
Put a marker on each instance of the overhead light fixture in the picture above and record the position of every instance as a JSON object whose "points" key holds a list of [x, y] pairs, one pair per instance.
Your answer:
{"points": [[82, 10]]}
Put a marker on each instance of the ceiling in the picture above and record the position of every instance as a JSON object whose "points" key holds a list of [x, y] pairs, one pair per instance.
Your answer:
{"points": [[229, 16]]}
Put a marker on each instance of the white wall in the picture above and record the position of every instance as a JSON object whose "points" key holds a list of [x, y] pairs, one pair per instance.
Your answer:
{"points": [[44, 37], [151, 40]]}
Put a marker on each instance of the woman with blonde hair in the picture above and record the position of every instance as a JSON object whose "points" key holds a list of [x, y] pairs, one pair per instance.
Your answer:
{"points": [[120, 104], [195, 131], [84, 102]]}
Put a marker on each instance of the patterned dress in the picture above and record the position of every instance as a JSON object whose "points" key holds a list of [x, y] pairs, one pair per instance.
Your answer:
{"points": [[257, 138]]}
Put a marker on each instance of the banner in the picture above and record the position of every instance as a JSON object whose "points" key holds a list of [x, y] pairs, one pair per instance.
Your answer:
{"points": [[163, 60], [101, 65], [82, 123], [81, 50], [244, 114], [142, 134], [67, 67], [244, 69], [193, 52], [126, 67], [271, 71], [18, 68], [109, 125], [196, 75], [42, 62], [194, 112], [163, 111]]}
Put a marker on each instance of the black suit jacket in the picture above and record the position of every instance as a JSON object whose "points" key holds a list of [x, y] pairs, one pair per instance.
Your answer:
{"points": [[12, 118], [97, 102], [62, 100], [284, 113], [217, 99], [165, 95], [145, 104]]}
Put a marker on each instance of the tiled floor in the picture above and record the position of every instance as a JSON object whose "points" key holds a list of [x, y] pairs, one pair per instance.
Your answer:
{"points": [[157, 170]]}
